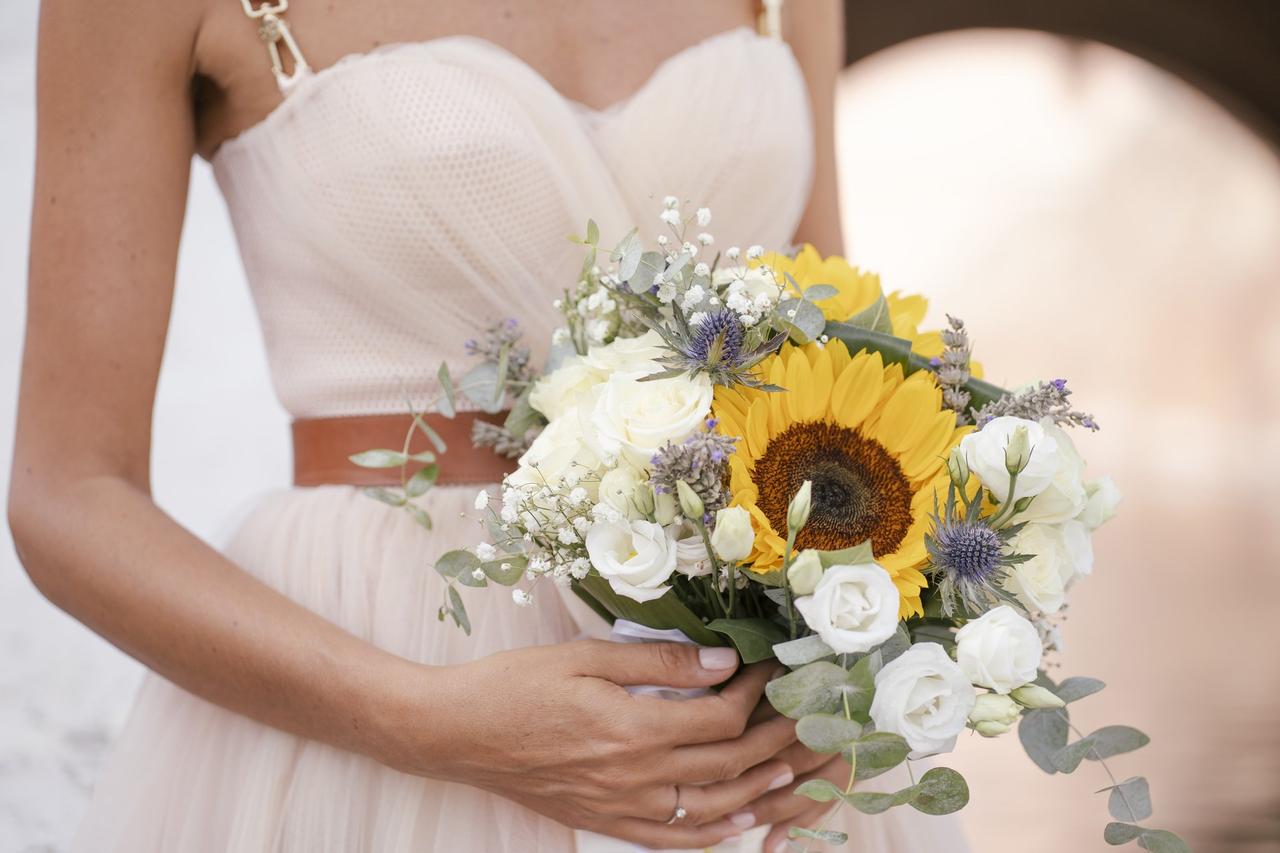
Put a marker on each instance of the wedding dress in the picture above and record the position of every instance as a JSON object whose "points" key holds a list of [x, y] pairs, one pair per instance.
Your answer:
{"points": [[390, 206]]}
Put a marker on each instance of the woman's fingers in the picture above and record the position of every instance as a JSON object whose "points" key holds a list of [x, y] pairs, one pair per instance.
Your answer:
{"points": [[662, 836], [784, 809], [720, 716], [729, 759], [709, 803], [665, 664], [803, 760], [776, 840]]}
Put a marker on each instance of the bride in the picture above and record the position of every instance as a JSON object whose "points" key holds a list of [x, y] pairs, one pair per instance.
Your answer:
{"points": [[396, 173]]}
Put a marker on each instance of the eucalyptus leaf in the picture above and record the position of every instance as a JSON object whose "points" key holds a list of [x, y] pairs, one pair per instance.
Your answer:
{"points": [[892, 648], [1043, 733], [651, 263], [448, 405], [379, 459], [432, 436], [802, 651], [1076, 688], [1120, 833], [754, 638], [389, 497], [830, 836], [422, 480], [812, 689], [500, 372], [481, 385], [1115, 740], [859, 690], [873, 802], [1130, 800], [802, 320], [523, 416], [515, 565], [1162, 841], [827, 733], [874, 317], [420, 515], [940, 791], [819, 292], [593, 232], [627, 255], [1067, 759], [453, 564], [819, 790], [878, 752], [459, 611]]}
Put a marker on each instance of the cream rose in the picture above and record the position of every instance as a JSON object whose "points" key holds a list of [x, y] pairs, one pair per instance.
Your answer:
{"points": [[1065, 496], [925, 697], [561, 389], [999, 650], [984, 451], [733, 535], [633, 418], [627, 355], [636, 557], [853, 608], [1041, 582]]}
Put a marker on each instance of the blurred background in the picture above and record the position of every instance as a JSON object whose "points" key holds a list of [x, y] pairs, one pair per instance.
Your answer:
{"points": [[1091, 186]]}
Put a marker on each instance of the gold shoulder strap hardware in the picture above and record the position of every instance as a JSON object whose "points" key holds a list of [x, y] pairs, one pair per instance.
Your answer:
{"points": [[770, 23], [274, 32]]}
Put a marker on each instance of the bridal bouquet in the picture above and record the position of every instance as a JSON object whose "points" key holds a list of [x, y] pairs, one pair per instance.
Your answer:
{"points": [[764, 450]]}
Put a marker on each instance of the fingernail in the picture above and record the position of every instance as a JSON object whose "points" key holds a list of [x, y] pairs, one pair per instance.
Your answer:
{"points": [[781, 780], [717, 657], [742, 820]]}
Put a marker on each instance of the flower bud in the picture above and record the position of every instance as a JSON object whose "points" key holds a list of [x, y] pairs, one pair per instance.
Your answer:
{"points": [[643, 498], [664, 508], [804, 572], [1035, 696], [1017, 453], [993, 714], [690, 504], [958, 468], [991, 728], [733, 537], [798, 509]]}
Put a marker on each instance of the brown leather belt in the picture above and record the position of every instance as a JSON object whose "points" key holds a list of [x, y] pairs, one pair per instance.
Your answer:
{"points": [[321, 447]]}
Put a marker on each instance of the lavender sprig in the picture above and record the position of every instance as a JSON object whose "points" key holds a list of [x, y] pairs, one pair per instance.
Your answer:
{"points": [[701, 461], [1044, 400]]}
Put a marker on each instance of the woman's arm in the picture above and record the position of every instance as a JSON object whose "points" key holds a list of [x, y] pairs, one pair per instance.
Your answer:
{"points": [[815, 30], [548, 726]]}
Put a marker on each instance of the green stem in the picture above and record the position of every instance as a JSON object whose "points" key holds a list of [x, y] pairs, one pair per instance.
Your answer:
{"points": [[1133, 816], [786, 581]]}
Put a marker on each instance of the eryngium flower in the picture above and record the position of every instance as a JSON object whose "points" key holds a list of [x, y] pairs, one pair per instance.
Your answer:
{"points": [[716, 346], [968, 558]]}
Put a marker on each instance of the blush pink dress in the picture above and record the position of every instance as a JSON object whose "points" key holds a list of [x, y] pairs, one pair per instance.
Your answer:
{"points": [[390, 206]]}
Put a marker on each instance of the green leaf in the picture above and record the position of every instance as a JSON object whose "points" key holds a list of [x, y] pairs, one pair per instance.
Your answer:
{"points": [[940, 791], [879, 752], [458, 611], [523, 416], [515, 564], [386, 496], [819, 292], [420, 515], [802, 651], [827, 733], [860, 690], [662, 613], [1120, 833], [854, 556], [874, 317], [1130, 800], [1043, 733], [888, 651], [1115, 740], [754, 638], [815, 688], [500, 372], [448, 405], [422, 480], [379, 459], [805, 325], [830, 836], [482, 387], [819, 790], [641, 281], [627, 254], [593, 232], [1162, 841], [1067, 759], [432, 436], [1076, 688], [454, 564], [873, 802]]}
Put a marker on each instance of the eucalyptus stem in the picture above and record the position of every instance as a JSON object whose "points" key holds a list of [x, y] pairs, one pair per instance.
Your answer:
{"points": [[1133, 815], [786, 580]]}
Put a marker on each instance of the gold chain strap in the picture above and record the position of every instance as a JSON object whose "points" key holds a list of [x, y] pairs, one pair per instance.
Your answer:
{"points": [[274, 32], [770, 23]]}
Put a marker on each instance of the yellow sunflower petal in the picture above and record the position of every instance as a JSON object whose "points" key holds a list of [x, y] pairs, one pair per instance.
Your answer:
{"points": [[757, 428], [928, 453], [857, 390], [799, 398], [904, 418]]}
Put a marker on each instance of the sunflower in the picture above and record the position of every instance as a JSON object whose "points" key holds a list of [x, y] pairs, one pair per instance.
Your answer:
{"points": [[874, 445]]}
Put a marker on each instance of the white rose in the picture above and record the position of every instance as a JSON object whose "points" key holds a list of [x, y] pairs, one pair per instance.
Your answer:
{"points": [[618, 490], [634, 418], [1064, 497], [923, 696], [1102, 498], [636, 557], [853, 608], [1041, 582], [984, 452], [561, 448], [999, 650], [733, 535], [626, 354], [691, 551], [1079, 549], [558, 391]]}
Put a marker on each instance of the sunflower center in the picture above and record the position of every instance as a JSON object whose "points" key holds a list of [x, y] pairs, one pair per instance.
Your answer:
{"points": [[859, 490]]}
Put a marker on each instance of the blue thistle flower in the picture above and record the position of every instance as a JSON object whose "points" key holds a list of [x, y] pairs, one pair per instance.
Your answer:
{"points": [[717, 341], [968, 558], [967, 551]]}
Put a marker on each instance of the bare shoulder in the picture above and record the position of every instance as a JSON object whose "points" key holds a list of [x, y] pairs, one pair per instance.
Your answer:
{"points": [[815, 29]]}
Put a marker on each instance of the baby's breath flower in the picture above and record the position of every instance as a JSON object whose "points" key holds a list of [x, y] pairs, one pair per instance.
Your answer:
{"points": [[670, 216], [755, 253], [704, 217], [701, 268], [521, 598], [670, 202], [482, 499], [732, 253], [485, 552], [706, 239]]}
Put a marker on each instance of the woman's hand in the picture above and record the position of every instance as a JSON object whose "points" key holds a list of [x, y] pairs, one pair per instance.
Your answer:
{"points": [[783, 809], [552, 728]]}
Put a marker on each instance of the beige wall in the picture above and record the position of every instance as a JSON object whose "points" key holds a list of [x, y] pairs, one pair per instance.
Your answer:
{"points": [[1093, 218]]}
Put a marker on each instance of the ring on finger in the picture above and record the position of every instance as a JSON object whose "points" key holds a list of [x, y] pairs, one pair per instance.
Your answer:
{"points": [[679, 813]]}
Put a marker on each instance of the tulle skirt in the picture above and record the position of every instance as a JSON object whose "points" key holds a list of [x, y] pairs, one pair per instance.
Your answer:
{"points": [[187, 775]]}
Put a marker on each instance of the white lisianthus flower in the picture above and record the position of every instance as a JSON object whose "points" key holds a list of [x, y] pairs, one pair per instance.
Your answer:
{"points": [[733, 535], [665, 509], [637, 557], [1041, 582], [925, 697], [561, 389], [618, 489], [634, 418], [999, 650], [984, 451], [994, 714], [852, 608], [804, 572], [1065, 496], [691, 551], [1101, 499]]}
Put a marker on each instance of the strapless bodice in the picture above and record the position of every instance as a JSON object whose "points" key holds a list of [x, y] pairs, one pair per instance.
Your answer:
{"points": [[399, 200]]}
